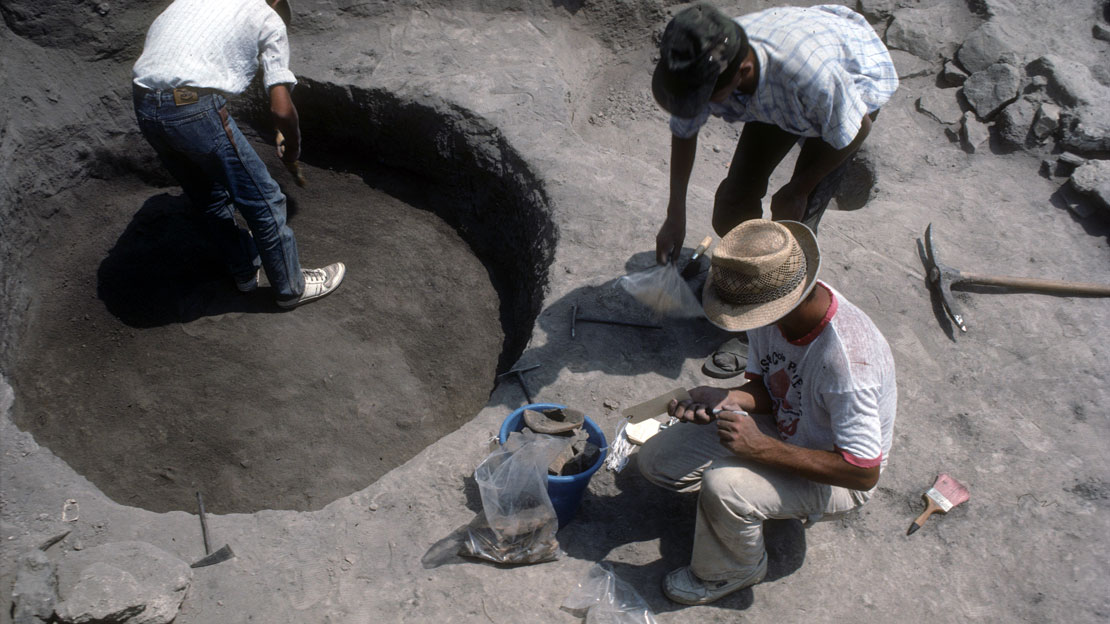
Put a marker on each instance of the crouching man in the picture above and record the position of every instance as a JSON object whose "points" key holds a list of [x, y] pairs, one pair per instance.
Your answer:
{"points": [[809, 433]]}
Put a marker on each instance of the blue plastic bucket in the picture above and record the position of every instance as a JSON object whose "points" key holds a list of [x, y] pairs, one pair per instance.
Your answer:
{"points": [[565, 492]]}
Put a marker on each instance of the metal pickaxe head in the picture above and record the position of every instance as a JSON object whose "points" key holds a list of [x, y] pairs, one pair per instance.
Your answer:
{"points": [[223, 554], [942, 277]]}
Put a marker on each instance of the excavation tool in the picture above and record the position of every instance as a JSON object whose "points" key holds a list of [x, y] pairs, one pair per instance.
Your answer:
{"points": [[654, 407], [210, 558], [943, 277], [518, 374], [945, 494], [575, 319], [694, 265], [293, 167]]}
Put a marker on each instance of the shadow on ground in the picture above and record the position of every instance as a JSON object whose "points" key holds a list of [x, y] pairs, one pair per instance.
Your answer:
{"points": [[639, 512], [164, 269], [613, 349]]}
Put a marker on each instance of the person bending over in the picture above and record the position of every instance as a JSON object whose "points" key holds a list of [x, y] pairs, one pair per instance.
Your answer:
{"points": [[196, 54]]}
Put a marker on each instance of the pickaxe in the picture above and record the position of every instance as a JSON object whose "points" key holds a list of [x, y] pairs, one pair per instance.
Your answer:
{"points": [[943, 277], [575, 318], [210, 558], [518, 374]]}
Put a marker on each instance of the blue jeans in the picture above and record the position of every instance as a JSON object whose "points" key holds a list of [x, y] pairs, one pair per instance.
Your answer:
{"points": [[219, 171]]}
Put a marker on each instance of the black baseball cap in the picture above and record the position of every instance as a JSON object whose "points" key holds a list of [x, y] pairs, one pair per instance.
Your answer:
{"points": [[697, 46]]}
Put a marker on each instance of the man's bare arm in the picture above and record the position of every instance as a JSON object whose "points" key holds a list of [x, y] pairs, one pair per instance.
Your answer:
{"points": [[287, 122], [740, 434], [668, 243]]}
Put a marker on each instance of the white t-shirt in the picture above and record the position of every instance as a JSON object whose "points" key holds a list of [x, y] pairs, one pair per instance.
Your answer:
{"points": [[214, 44], [834, 389]]}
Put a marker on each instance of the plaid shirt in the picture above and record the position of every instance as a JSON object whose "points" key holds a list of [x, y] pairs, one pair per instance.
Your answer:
{"points": [[821, 69]]}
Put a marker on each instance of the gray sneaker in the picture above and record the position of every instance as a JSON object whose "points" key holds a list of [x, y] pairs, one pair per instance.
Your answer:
{"points": [[683, 586], [317, 283]]}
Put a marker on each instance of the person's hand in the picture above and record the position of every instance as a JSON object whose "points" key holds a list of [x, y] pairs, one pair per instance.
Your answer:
{"points": [[668, 243], [740, 434], [788, 204], [288, 154], [699, 408]]}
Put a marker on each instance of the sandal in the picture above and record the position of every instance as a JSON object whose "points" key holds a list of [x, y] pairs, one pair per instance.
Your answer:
{"points": [[729, 360]]}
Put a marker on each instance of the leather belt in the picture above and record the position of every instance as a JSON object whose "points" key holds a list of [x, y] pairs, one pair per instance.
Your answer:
{"points": [[185, 95], [190, 95]]}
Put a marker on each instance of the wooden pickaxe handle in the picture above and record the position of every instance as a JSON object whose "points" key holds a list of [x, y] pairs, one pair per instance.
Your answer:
{"points": [[1055, 287], [931, 507]]}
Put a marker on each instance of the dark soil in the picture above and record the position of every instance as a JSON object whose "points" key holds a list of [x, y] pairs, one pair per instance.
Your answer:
{"points": [[148, 372]]}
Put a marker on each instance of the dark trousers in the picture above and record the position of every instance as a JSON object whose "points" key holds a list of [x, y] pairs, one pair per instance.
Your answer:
{"points": [[758, 152]]}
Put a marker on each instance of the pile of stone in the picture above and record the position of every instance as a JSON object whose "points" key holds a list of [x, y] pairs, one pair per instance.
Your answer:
{"points": [[995, 95], [125, 582]]}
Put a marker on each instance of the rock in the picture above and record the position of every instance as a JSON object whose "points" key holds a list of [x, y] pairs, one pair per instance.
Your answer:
{"points": [[1047, 121], [1078, 205], [1092, 179], [986, 46], [989, 90], [952, 75], [1101, 31], [941, 105], [1016, 121], [1069, 83], [1086, 128], [927, 33], [974, 133], [1036, 83], [35, 590], [122, 581], [909, 66], [878, 10], [1072, 160]]}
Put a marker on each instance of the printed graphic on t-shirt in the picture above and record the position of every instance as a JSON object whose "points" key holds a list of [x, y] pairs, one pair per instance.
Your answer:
{"points": [[782, 384]]}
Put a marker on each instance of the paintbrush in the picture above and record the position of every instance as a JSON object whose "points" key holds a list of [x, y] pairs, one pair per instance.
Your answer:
{"points": [[945, 494]]}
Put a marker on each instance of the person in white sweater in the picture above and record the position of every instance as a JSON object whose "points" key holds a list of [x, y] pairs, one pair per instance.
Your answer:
{"points": [[197, 53]]}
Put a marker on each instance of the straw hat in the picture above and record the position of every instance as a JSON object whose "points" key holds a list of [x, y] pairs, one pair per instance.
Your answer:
{"points": [[759, 272]]}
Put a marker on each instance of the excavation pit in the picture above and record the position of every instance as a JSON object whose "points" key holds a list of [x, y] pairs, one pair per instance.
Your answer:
{"points": [[142, 367]]}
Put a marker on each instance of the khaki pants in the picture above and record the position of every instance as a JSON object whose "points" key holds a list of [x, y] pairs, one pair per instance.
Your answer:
{"points": [[734, 497]]}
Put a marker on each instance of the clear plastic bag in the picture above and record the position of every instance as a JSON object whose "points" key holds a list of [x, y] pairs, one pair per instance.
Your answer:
{"points": [[518, 522], [603, 598], [663, 290], [620, 450]]}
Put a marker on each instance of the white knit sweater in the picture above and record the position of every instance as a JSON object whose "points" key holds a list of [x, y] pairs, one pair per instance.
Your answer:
{"points": [[214, 44]]}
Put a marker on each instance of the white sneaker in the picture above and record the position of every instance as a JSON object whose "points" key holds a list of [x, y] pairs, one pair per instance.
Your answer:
{"points": [[317, 283], [249, 285]]}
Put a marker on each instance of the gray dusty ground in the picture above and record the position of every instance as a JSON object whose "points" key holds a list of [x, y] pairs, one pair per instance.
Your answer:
{"points": [[1015, 408]]}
